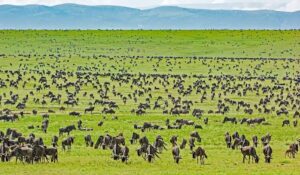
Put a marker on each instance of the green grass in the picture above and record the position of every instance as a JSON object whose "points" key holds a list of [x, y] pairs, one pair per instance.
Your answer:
{"points": [[79, 52], [212, 43]]}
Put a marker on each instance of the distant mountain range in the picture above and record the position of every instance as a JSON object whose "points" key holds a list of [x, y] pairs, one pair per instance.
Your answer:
{"points": [[73, 16]]}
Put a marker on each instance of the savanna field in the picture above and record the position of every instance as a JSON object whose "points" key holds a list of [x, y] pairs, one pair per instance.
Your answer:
{"points": [[133, 77]]}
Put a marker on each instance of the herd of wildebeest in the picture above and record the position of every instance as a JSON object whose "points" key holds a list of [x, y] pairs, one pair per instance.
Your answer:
{"points": [[47, 89]]}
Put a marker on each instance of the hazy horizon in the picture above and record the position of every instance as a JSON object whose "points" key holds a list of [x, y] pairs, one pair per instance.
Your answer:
{"points": [[276, 5]]}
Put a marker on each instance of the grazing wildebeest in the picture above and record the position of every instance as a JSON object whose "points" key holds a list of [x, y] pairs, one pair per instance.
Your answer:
{"points": [[176, 154], [173, 140], [67, 129], [144, 140], [293, 149], [196, 135], [240, 142], [228, 119], [285, 122], [159, 144], [88, 140], [54, 141], [255, 120], [74, 113], [249, 151], [174, 127], [147, 125], [142, 151], [199, 152], [53, 153], [183, 144], [71, 102], [67, 143], [198, 127], [268, 153], [151, 153], [244, 120], [23, 154], [135, 126], [295, 123], [134, 138], [89, 109], [192, 143]]}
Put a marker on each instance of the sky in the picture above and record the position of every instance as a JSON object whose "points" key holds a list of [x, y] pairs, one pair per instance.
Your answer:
{"points": [[280, 5]]}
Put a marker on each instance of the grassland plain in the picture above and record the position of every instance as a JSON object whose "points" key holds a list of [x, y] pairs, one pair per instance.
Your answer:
{"points": [[130, 52]]}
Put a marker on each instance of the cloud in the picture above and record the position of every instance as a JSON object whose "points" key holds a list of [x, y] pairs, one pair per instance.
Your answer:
{"points": [[293, 5], [283, 5]]}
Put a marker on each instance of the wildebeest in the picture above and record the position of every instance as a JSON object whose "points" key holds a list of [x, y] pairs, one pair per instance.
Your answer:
{"points": [[249, 151], [124, 154], [67, 129], [268, 153], [255, 140], [23, 154], [45, 125], [173, 140], [159, 144], [196, 135], [100, 123], [116, 151], [183, 143], [54, 141], [38, 153], [144, 141], [266, 139], [74, 113], [88, 140], [285, 122], [293, 149], [236, 143], [176, 154], [89, 109], [228, 140], [205, 120], [198, 127], [151, 153], [228, 119], [192, 143], [199, 152], [99, 142], [53, 153], [134, 138], [255, 120], [67, 143]]}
